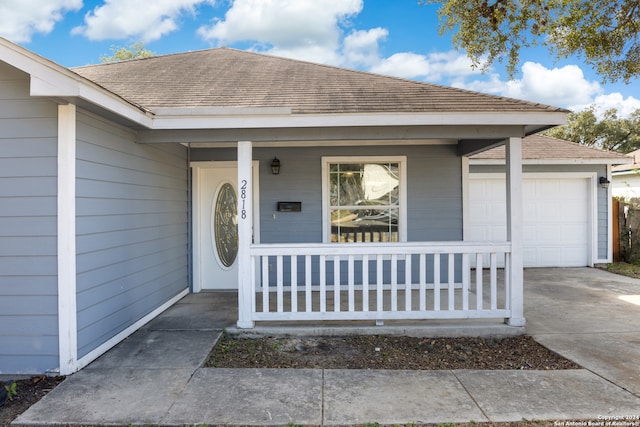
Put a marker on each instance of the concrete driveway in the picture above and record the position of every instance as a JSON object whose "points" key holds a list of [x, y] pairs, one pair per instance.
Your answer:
{"points": [[589, 316]]}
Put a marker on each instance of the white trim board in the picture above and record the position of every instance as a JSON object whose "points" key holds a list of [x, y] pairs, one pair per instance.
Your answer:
{"points": [[99, 351], [402, 196], [320, 143], [67, 309], [449, 118]]}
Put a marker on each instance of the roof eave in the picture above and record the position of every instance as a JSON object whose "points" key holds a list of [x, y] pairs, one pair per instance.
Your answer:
{"points": [[49, 79], [556, 161]]}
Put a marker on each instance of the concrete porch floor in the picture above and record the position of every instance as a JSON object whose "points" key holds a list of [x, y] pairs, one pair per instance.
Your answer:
{"points": [[155, 376]]}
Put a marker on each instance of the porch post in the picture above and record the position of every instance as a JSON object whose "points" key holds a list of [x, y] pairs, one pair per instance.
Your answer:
{"points": [[245, 209], [515, 230], [67, 291]]}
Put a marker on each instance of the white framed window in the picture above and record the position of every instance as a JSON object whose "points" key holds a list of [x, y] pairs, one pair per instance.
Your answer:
{"points": [[364, 199]]}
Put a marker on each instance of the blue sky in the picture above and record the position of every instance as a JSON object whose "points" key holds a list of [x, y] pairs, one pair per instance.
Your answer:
{"points": [[393, 37]]}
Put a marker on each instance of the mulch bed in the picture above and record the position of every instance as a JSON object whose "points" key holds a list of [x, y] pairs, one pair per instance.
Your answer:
{"points": [[385, 352], [29, 391]]}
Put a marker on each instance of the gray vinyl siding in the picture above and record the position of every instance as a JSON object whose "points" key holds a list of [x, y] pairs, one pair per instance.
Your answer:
{"points": [[132, 227], [602, 202], [28, 226], [434, 189]]}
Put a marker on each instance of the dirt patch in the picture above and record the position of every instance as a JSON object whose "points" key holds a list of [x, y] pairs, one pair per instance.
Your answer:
{"points": [[28, 391], [385, 352]]}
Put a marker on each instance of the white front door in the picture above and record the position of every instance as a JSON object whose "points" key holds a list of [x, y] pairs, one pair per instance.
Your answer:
{"points": [[215, 236]]}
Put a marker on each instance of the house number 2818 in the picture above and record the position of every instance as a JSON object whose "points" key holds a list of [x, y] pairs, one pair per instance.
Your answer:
{"points": [[243, 197]]}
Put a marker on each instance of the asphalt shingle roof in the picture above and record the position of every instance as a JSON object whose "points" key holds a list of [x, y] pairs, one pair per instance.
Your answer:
{"points": [[538, 147], [223, 78], [635, 155]]}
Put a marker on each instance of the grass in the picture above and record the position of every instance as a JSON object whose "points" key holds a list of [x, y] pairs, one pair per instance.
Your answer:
{"points": [[624, 269]]}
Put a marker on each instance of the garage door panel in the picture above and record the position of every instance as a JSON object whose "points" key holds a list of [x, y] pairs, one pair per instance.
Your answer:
{"points": [[574, 188], [549, 189], [574, 236], [529, 213], [498, 210], [548, 234], [569, 213], [489, 233], [573, 258], [547, 211], [555, 218], [548, 256], [529, 233]]}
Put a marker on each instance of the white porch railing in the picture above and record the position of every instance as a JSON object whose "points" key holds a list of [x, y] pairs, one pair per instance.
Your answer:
{"points": [[418, 280]]}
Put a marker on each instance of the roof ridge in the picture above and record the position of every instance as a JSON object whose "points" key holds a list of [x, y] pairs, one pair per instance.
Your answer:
{"points": [[164, 55]]}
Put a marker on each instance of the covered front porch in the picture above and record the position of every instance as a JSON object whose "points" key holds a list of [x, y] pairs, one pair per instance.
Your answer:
{"points": [[381, 281]]}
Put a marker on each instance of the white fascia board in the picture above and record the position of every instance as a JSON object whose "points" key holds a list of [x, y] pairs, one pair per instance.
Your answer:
{"points": [[115, 104], [59, 86], [322, 143], [500, 162], [226, 121], [49, 79]]}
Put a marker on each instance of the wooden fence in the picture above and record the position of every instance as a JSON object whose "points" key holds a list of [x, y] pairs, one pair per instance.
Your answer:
{"points": [[626, 230]]}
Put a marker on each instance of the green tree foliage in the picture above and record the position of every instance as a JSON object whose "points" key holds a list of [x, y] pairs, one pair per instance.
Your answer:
{"points": [[135, 51], [610, 132], [603, 33]]}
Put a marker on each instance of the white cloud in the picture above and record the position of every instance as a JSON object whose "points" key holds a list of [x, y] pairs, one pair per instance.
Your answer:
{"points": [[307, 30], [21, 19], [558, 86], [314, 30], [432, 67], [625, 106], [404, 64], [148, 20], [361, 47], [565, 87]]}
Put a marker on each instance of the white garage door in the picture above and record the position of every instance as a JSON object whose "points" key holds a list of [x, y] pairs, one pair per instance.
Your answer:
{"points": [[556, 218]]}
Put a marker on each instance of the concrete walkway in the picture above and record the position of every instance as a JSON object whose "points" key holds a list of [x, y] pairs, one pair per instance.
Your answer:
{"points": [[154, 377]]}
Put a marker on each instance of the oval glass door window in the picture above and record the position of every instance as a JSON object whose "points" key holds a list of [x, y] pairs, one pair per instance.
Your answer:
{"points": [[225, 224]]}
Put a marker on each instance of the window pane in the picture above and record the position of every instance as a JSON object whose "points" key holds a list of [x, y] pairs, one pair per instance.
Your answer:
{"points": [[364, 201], [364, 225], [363, 184], [349, 188], [381, 184]]}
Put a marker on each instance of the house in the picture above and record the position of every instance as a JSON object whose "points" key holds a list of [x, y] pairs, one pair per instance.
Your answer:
{"points": [[567, 219], [319, 193], [625, 180]]}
